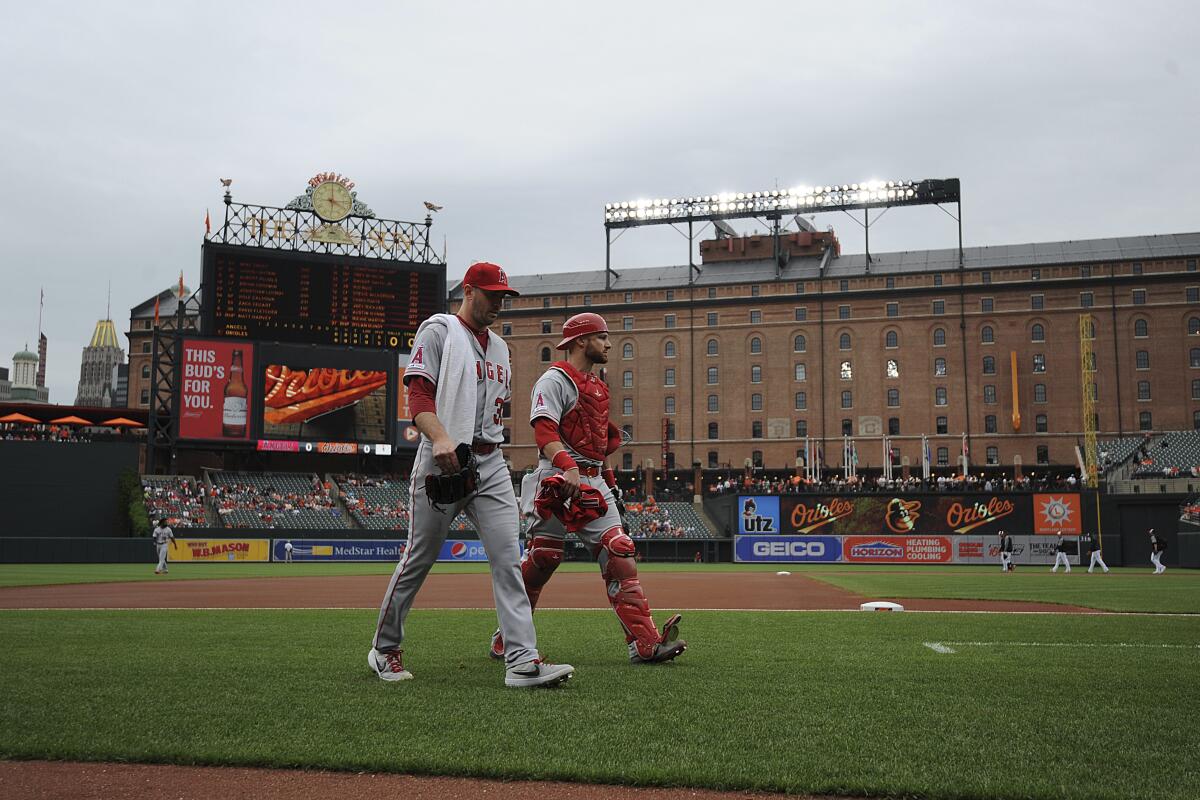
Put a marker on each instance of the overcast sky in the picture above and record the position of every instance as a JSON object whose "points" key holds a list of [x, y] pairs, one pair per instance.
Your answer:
{"points": [[1063, 120]]}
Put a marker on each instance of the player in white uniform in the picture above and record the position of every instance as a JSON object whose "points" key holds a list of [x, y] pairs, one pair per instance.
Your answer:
{"points": [[459, 379], [162, 535], [569, 414]]}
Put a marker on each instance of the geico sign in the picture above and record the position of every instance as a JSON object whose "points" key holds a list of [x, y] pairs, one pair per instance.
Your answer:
{"points": [[776, 549]]}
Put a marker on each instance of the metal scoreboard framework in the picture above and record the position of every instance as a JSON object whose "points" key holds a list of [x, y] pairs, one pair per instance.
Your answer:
{"points": [[306, 315]]}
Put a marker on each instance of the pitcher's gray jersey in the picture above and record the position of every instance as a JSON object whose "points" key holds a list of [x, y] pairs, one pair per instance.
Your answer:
{"points": [[493, 377], [492, 507], [553, 395]]}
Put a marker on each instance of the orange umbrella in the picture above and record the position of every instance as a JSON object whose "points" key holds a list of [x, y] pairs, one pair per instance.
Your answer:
{"points": [[17, 417], [71, 420], [122, 422]]}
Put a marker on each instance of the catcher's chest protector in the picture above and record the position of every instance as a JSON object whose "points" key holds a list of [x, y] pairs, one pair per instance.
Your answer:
{"points": [[585, 426]]}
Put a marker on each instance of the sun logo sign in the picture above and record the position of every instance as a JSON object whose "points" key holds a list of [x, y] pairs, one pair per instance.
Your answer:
{"points": [[1058, 513]]}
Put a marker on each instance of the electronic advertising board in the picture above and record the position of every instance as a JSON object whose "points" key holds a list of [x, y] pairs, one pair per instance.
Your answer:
{"points": [[325, 399], [315, 298], [216, 399]]}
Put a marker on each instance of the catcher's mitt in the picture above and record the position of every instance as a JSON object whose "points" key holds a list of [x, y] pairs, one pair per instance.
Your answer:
{"points": [[447, 489]]}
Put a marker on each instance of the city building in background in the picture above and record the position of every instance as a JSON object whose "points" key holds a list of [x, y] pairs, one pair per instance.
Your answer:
{"points": [[23, 387], [100, 356], [144, 319]]}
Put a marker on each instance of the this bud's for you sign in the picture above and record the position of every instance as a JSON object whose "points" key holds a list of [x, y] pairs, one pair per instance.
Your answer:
{"points": [[214, 394]]}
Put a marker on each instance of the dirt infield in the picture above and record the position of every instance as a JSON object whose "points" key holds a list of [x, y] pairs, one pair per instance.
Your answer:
{"points": [[27, 780], [669, 590]]}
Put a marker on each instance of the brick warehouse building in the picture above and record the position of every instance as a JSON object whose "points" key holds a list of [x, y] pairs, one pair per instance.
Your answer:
{"points": [[748, 359]]}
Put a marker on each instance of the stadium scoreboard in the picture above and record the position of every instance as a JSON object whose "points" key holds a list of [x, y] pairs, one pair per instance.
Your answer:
{"points": [[312, 298]]}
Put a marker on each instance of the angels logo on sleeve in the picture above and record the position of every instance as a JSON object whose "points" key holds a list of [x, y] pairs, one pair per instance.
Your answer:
{"points": [[540, 402], [418, 358]]}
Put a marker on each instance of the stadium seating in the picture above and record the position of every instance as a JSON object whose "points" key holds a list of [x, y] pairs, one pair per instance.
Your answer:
{"points": [[376, 502], [275, 500], [1169, 455], [669, 520], [178, 498]]}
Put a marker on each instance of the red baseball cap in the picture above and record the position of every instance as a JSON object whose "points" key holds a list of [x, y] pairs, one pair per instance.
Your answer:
{"points": [[489, 277]]}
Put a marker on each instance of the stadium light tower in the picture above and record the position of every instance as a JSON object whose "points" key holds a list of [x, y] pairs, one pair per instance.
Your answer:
{"points": [[775, 204]]}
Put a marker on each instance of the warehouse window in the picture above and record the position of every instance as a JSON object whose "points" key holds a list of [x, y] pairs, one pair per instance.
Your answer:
{"points": [[1039, 393], [627, 379], [1142, 358], [1040, 425], [893, 426], [1039, 362], [943, 456], [801, 428], [627, 406], [941, 424], [669, 350], [892, 309], [939, 367], [847, 399], [714, 402], [987, 335], [801, 314], [712, 430], [844, 341], [756, 374], [989, 423], [892, 368], [1145, 421], [939, 337], [993, 456], [801, 372], [989, 394], [893, 398], [756, 432], [986, 304], [891, 340], [802, 401], [939, 396], [1141, 328], [756, 402], [799, 344], [627, 350], [1037, 333], [939, 307], [712, 375], [711, 347], [1143, 390], [545, 355], [756, 345], [1043, 454], [711, 319], [989, 365]]}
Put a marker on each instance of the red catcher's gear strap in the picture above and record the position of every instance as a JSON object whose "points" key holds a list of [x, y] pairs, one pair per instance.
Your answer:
{"points": [[544, 555], [625, 595]]}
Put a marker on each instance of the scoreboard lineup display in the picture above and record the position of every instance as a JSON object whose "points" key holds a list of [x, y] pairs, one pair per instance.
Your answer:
{"points": [[310, 298]]}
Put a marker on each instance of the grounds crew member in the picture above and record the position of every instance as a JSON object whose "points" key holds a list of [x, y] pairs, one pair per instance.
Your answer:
{"points": [[572, 490]]}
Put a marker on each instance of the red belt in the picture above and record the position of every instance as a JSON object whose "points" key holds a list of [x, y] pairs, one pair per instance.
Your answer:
{"points": [[483, 448], [591, 472]]}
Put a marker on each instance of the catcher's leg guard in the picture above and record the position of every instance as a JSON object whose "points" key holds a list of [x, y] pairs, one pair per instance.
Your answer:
{"points": [[544, 555], [619, 570]]}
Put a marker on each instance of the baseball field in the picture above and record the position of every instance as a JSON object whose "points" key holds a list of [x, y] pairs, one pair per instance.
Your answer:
{"points": [[1016, 688]]}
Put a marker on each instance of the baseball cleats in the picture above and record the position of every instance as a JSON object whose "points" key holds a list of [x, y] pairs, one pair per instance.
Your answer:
{"points": [[536, 672], [388, 666], [496, 649], [668, 646]]}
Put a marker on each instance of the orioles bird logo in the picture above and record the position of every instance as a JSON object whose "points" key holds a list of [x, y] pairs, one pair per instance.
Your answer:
{"points": [[902, 515]]}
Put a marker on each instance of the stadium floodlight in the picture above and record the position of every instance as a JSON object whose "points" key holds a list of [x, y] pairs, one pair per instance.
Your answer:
{"points": [[776, 202]]}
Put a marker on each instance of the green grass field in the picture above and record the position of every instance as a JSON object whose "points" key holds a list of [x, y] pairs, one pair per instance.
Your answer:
{"points": [[840, 703]]}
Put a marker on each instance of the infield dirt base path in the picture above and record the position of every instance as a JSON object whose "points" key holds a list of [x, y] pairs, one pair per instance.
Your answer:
{"points": [[666, 590], [52, 780]]}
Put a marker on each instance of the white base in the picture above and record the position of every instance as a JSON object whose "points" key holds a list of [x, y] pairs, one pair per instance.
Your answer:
{"points": [[783, 572], [880, 605]]}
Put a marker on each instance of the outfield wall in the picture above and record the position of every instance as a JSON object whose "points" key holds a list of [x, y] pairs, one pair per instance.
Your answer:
{"points": [[56, 488]]}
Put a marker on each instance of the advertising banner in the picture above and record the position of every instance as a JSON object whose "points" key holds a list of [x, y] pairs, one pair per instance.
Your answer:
{"points": [[219, 550], [340, 549], [215, 400], [898, 549], [371, 550], [787, 548], [758, 514], [1056, 513], [887, 514]]}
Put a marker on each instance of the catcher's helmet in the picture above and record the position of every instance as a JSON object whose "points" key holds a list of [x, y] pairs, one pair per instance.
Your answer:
{"points": [[581, 325]]}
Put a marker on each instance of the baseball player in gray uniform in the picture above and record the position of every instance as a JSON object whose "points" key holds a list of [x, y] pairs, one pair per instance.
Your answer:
{"points": [[162, 536], [459, 379], [569, 415]]}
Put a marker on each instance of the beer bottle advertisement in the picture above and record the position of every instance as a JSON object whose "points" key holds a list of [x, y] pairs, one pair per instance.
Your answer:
{"points": [[215, 391]]}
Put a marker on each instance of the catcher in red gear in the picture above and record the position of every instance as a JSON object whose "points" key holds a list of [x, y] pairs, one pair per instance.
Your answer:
{"points": [[572, 491]]}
